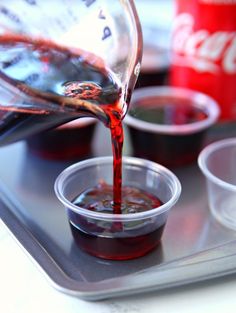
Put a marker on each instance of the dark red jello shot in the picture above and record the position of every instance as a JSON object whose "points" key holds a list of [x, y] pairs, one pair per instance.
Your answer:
{"points": [[70, 141], [155, 66], [149, 191], [168, 125]]}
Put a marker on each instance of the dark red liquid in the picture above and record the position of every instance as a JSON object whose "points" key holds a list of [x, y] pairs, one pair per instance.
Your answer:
{"points": [[59, 85], [70, 142], [155, 67], [46, 82], [168, 113], [169, 149], [116, 240], [155, 78]]}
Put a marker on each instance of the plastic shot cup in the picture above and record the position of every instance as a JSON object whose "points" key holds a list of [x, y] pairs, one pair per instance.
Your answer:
{"points": [[168, 125], [218, 164], [155, 66], [70, 141], [117, 236]]}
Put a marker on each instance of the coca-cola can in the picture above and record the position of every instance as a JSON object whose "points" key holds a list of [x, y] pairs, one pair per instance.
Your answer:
{"points": [[204, 50]]}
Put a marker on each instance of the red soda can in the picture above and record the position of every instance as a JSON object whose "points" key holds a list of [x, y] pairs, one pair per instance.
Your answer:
{"points": [[204, 50]]}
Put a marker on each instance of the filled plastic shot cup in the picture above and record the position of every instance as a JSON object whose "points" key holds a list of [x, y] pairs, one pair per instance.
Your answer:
{"points": [[218, 163], [70, 141], [134, 232], [168, 125]]}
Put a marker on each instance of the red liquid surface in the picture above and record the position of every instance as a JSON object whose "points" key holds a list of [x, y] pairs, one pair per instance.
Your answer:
{"points": [[115, 239], [168, 113], [171, 150], [44, 70]]}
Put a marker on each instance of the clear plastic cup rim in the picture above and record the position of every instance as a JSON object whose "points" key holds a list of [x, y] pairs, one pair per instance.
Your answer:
{"points": [[200, 99], [71, 170], [206, 152]]}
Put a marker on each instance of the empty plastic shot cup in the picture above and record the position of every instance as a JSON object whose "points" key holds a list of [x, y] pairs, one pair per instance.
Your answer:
{"points": [[218, 164]]}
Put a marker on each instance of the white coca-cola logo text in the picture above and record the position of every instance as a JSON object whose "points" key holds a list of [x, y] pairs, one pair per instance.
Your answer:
{"points": [[202, 50]]}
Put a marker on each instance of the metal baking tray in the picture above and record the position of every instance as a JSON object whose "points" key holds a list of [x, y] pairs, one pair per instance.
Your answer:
{"points": [[194, 247]]}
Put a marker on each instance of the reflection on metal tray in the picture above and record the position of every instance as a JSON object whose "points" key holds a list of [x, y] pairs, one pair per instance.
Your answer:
{"points": [[191, 240]]}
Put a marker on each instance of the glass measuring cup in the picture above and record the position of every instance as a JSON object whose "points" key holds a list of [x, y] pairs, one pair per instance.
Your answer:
{"points": [[46, 45]]}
